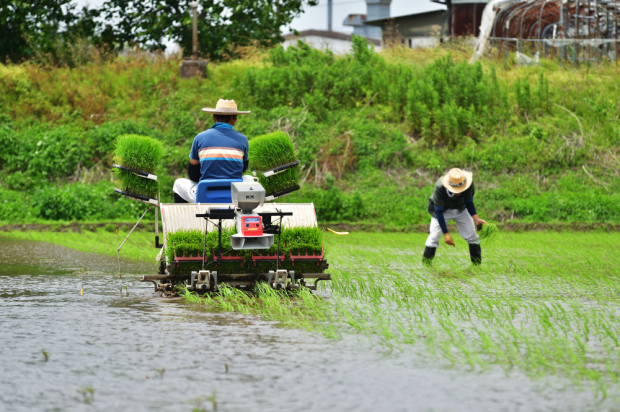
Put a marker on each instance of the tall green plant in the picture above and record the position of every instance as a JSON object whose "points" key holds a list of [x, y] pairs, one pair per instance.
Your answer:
{"points": [[448, 101]]}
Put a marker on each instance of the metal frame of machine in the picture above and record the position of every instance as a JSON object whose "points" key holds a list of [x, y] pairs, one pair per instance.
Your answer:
{"points": [[228, 267]]}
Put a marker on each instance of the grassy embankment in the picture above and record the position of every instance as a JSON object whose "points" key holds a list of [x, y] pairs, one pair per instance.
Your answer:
{"points": [[373, 131], [140, 245]]}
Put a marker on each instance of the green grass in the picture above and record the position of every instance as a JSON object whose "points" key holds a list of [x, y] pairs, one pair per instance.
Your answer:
{"points": [[369, 149], [139, 246], [544, 304]]}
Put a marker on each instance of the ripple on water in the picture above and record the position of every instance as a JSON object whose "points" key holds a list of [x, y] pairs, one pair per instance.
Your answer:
{"points": [[144, 353]]}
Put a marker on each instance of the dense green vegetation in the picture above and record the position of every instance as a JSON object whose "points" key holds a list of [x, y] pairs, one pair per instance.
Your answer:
{"points": [[373, 132], [57, 31]]}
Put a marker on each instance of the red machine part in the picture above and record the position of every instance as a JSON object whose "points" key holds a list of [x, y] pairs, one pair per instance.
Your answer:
{"points": [[252, 225]]}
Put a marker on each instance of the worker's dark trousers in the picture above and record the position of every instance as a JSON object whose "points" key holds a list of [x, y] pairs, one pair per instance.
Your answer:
{"points": [[178, 199], [475, 254]]}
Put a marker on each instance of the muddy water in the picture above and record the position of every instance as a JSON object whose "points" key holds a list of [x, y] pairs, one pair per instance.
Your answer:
{"points": [[144, 353]]}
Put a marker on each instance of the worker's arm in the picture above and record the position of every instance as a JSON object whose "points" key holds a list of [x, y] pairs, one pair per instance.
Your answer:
{"points": [[193, 170], [246, 158], [442, 224], [469, 204]]}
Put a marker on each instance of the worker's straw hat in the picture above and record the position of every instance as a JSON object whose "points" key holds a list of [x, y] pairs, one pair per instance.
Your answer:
{"points": [[223, 106], [457, 180]]}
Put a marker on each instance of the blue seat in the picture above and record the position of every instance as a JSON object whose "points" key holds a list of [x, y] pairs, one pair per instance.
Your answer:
{"points": [[214, 190]]}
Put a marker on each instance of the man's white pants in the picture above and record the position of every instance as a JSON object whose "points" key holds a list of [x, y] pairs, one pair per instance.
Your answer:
{"points": [[186, 189], [464, 224]]}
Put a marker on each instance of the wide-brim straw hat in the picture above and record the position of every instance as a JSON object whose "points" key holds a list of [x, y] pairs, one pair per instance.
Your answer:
{"points": [[226, 107], [457, 180]]}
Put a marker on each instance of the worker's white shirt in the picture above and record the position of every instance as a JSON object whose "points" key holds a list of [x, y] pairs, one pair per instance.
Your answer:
{"points": [[464, 224]]}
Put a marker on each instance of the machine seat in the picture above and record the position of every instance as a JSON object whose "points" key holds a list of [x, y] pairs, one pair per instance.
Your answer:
{"points": [[214, 190]]}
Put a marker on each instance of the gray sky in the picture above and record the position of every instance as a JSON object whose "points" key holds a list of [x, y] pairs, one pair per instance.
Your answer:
{"points": [[316, 17]]}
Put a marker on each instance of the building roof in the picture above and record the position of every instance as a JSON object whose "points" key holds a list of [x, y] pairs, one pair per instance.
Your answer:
{"points": [[397, 19], [460, 1], [354, 20], [415, 25], [328, 35]]}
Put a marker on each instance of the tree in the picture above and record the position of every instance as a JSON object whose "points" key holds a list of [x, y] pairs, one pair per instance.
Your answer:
{"points": [[222, 24], [31, 29], [26, 26]]}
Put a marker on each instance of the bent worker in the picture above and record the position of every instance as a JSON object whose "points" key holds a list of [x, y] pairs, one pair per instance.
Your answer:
{"points": [[219, 152], [453, 199]]}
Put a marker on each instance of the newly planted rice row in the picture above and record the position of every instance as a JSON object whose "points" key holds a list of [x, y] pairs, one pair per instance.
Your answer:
{"points": [[543, 303]]}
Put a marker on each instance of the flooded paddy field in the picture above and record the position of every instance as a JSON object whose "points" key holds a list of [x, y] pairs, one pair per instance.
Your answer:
{"points": [[403, 346]]}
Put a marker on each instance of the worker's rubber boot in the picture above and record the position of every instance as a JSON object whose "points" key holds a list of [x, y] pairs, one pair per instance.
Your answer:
{"points": [[476, 254], [429, 254]]}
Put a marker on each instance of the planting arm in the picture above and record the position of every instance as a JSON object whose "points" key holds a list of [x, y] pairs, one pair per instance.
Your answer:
{"points": [[441, 219]]}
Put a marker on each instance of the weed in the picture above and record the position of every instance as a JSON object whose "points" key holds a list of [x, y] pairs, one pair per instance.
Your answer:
{"points": [[46, 355], [88, 395], [200, 403]]}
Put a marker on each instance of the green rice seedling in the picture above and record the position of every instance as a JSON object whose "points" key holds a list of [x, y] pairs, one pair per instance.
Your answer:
{"points": [[303, 239], [185, 243], [190, 242], [488, 232], [141, 153], [269, 151], [132, 183], [279, 182], [138, 152]]}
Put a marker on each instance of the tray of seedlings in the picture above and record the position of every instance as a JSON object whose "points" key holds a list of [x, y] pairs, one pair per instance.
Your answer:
{"points": [[135, 160], [274, 161]]}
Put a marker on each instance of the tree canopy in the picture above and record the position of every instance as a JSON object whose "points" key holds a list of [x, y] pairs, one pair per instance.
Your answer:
{"points": [[46, 26]]}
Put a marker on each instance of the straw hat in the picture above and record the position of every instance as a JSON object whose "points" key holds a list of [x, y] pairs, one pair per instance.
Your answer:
{"points": [[457, 180], [228, 107]]}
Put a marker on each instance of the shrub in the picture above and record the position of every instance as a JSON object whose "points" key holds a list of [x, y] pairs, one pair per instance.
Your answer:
{"points": [[449, 100], [82, 202]]}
